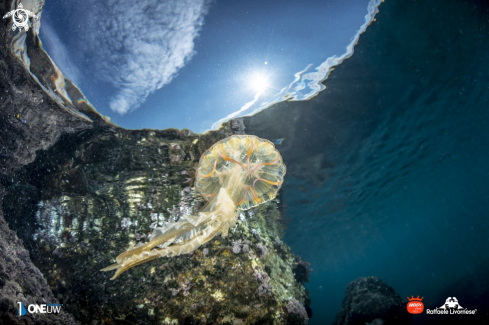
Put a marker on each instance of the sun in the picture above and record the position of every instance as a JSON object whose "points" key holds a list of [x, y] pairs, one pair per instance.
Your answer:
{"points": [[259, 82]]}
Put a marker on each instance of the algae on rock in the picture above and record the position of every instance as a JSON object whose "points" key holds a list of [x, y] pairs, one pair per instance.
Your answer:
{"points": [[103, 191]]}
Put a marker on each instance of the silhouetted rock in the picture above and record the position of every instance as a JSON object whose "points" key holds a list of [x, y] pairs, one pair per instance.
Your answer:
{"points": [[21, 281], [369, 298], [29, 121]]}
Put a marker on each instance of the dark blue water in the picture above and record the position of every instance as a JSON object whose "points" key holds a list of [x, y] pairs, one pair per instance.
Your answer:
{"points": [[388, 169]]}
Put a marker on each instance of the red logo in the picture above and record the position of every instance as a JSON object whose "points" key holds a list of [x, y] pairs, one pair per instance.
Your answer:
{"points": [[415, 306]]}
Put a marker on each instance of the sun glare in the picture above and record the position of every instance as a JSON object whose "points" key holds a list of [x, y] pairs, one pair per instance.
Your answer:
{"points": [[259, 82]]}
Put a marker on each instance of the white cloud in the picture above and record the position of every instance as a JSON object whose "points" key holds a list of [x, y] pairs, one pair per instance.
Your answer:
{"points": [[139, 46]]}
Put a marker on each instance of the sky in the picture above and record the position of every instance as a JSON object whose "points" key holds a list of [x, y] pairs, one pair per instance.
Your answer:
{"points": [[191, 63]]}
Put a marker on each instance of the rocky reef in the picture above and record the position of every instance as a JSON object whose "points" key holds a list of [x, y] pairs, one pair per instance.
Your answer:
{"points": [[96, 193], [370, 300], [29, 121], [77, 191], [21, 281]]}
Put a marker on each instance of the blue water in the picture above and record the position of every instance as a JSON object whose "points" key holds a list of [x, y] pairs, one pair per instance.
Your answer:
{"points": [[388, 171]]}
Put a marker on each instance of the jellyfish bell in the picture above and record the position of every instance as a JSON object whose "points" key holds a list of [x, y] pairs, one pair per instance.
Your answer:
{"points": [[239, 172], [250, 169]]}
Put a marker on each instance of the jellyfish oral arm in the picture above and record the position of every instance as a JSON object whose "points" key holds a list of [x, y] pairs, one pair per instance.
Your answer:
{"points": [[181, 237]]}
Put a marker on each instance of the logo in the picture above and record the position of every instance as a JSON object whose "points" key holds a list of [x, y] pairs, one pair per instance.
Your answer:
{"points": [[415, 306], [451, 307], [22, 311], [20, 18], [39, 309]]}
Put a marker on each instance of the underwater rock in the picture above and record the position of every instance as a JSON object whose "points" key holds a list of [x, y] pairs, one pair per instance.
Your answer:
{"points": [[369, 298], [21, 281], [377, 321], [100, 192], [302, 271], [29, 119], [26, 48], [297, 313]]}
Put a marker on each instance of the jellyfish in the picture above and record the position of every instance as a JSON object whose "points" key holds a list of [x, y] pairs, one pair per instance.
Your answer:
{"points": [[236, 173]]}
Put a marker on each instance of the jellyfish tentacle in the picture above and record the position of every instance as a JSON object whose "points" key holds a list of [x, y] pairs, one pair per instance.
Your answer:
{"points": [[267, 181], [246, 194], [256, 198]]}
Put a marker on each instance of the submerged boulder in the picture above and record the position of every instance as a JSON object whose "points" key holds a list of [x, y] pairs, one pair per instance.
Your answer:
{"points": [[370, 300]]}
